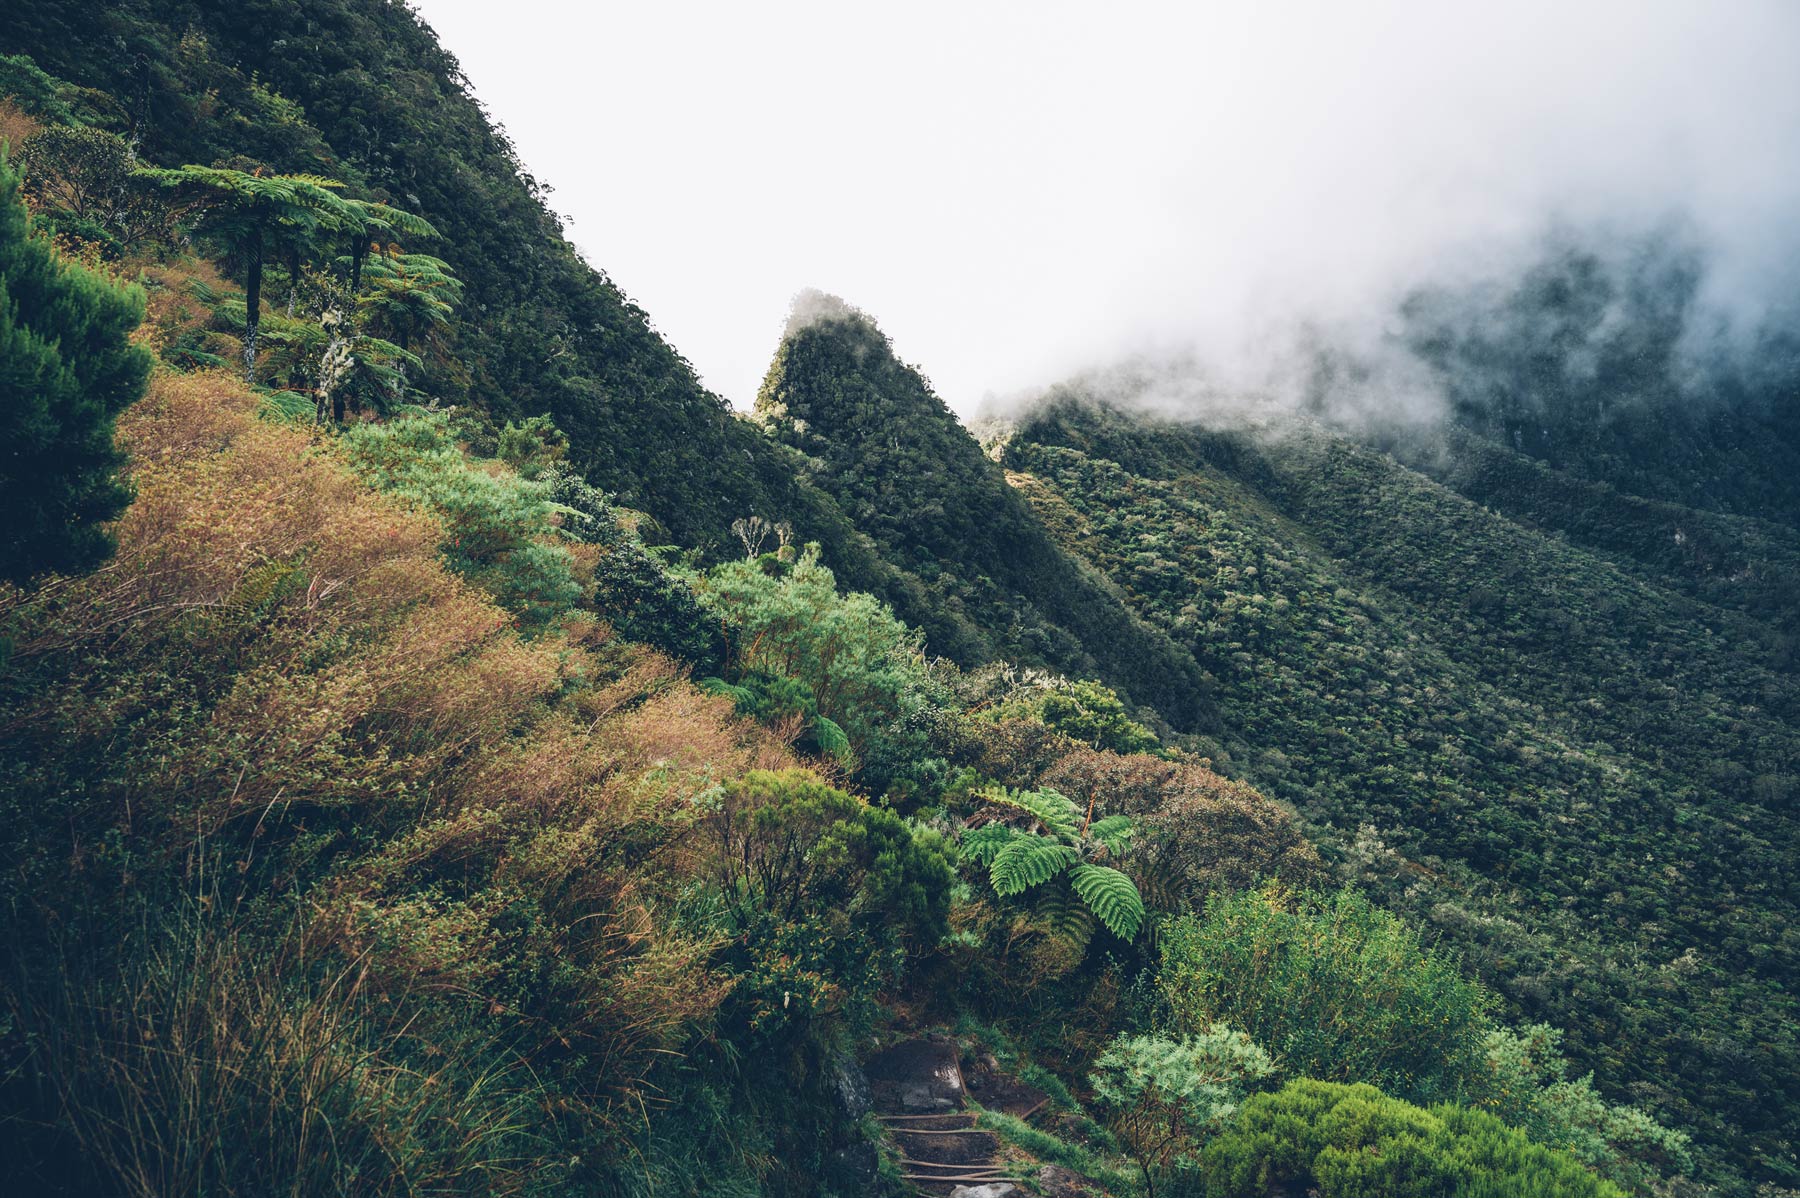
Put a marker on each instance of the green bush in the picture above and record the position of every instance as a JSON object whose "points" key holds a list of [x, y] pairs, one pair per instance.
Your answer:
{"points": [[498, 527], [1165, 1095], [1355, 1142], [1332, 986], [865, 668], [824, 896], [1528, 1086], [1094, 714]]}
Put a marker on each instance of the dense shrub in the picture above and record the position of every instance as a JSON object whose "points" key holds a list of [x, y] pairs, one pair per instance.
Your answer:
{"points": [[865, 668], [1164, 1095], [67, 370], [501, 529], [1333, 987], [278, 698], [1093, 714], [1527, 1085], [1356, 1142], [1198, 834], [824, 893]]}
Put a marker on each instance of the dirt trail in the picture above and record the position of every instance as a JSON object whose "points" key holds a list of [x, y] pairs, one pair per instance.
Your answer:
{"points": [[920, 1096]]}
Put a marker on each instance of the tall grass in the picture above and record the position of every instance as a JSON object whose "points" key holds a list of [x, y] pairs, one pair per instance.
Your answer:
{"points": [[200, 1060]]}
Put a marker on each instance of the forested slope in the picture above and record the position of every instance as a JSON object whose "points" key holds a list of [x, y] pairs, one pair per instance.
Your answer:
{"points": [[1581, 777], [360, 90], [899, 463], [391, 777]]}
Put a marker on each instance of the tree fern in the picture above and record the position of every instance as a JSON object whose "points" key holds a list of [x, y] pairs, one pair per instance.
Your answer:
{"points": [[1115, 832], [982, 844], [1028, 861], [741, 696], [1050, 808], [1111, 896], [1065, 915], [831, 738]]}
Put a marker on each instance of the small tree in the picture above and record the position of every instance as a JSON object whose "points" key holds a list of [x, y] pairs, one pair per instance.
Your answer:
{"points": [[67, 369], [1166, 1094], [88, 181], [255, 216], [862, 663], [1335, 987], [369, 220], [410, 297], [1094, 714]]}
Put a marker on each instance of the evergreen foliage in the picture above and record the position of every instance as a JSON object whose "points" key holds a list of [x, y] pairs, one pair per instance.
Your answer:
{"points": [[501, 529], [255, 219], [1334, 987], [1418, 676], [826, 895], [1165, 1095], [86, 186], [67, 369], [863, 667]]}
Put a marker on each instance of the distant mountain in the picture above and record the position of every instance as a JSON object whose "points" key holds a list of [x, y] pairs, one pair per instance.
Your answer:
{"points": [[878, 440]]}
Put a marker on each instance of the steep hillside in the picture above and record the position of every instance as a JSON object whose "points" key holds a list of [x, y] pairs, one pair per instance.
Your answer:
{"points": [[900, 465], [373, 767], [360, 90], [1582, 778]]}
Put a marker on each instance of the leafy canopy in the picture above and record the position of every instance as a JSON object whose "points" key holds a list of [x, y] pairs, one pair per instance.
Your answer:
{"points": [[1343, 1141], [1334, 987], [1165, 1094]]}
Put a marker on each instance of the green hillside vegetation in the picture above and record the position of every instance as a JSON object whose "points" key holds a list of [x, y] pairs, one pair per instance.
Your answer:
{"points": [[444, 750], [1348, 1141], [1421, 678], [900, 465], [360, 92], [1603, 363]]}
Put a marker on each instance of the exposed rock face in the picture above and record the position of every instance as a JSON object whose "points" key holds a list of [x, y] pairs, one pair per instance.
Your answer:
{"points": [[1054, 1181]]}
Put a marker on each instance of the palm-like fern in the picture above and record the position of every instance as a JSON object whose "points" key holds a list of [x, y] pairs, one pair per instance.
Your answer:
{"points": [[1111, 896], [1029, 861], [1057, 843]]}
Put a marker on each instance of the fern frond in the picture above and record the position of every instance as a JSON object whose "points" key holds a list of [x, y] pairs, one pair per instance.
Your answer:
{"points": [[1065, 916], [982, 844], [1115, 832], [831, 737], [1057, 813], [741, 697], [1026, 862], [1111, 896]]}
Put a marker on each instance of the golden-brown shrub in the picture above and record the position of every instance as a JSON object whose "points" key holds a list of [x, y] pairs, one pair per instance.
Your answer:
{"points": [[278, 661], [16, 125]]}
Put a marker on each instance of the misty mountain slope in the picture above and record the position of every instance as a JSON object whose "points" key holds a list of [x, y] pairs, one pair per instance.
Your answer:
{"points": [[1582, 779], [360, 90], [1606, 358], [1740, 563], [900, 464]]}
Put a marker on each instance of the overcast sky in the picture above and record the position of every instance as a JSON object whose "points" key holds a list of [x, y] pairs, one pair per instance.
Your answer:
{"points": [[1017, 191]]}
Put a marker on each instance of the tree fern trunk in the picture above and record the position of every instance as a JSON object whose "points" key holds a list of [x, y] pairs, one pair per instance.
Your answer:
{"points": [[252, 307]]}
